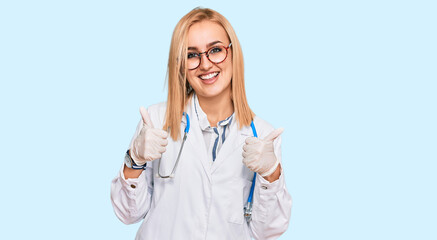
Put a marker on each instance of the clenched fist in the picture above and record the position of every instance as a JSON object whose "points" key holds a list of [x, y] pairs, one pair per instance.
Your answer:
{"points": [[259, 155], [150, 142]]}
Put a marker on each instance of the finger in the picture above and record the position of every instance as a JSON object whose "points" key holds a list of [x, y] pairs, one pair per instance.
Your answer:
{"points": [[244, 155], [160, 133], [245, 148], [274, 134], [155, 156], [145, 116], [250, 156], [251, 140], [245, 159], [163, 142], [249, 163], [253, 147], [161, 149]]}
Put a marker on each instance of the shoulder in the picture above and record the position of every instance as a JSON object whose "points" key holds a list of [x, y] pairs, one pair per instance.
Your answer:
{"points": [[263, 128], [157, 114], [157, 108]]}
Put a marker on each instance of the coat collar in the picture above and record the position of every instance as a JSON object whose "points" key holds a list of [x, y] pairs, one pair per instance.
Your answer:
{"points": [[203, 118]]}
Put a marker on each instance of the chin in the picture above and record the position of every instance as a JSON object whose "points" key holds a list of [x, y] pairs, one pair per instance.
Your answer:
{"points": [[213, 91]]}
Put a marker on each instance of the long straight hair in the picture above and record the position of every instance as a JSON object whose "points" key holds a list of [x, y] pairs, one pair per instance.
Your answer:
{"points": [[179, 90]]}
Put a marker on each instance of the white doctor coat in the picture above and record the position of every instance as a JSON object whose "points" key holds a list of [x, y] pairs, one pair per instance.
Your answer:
{"points": [[203, 200]]}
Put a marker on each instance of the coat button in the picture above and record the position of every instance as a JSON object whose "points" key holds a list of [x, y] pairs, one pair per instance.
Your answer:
{"points": [[264, 187], [133, 186]]}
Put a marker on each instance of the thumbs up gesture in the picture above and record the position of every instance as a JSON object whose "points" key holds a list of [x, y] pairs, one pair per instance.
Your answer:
{"points": [[259, 155], [150, 142]]}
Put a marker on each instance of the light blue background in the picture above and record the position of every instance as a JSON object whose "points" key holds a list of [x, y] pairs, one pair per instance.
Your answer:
{"points": [[352, 82]]}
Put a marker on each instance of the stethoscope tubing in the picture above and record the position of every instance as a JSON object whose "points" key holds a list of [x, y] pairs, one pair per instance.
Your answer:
{"points": [[255, 134], [187, 129]]}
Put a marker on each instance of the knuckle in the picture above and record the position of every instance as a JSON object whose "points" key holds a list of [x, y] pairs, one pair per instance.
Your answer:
{"points": [[164, 133]]}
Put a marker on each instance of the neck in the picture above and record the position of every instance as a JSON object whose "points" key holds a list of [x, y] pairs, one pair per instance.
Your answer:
{"points": [[217, 108]]}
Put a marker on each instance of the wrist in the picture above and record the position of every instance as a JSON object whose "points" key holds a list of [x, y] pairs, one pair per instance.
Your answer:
{"points": [[271, 170], [275, 175], [130, 162]]}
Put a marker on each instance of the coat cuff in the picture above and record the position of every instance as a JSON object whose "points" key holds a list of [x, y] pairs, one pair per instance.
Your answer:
{"points": [[132, 184], [266, 187]]}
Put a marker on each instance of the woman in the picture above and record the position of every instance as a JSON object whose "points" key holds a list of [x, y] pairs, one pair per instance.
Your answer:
{"points": [[189, 168]]}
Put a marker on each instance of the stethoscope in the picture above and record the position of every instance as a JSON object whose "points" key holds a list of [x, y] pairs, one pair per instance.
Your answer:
{"points": [[187, 129], [249, 204]]}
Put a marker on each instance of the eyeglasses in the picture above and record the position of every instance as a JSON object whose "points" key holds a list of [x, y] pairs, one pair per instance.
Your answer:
{"points": [[216, 54]]}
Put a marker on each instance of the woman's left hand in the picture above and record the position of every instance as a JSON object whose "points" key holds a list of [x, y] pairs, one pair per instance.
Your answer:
{"points": [[259, 155]]}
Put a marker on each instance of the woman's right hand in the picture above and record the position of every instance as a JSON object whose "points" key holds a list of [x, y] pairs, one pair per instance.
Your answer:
{"points": [[150, 142]]}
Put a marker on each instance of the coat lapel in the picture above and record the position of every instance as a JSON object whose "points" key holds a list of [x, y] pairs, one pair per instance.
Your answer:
{"points": [[233, 144], [196, 141]]}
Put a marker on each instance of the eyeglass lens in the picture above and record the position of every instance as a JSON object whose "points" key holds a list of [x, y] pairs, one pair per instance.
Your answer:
{"points": [[215, 55]]}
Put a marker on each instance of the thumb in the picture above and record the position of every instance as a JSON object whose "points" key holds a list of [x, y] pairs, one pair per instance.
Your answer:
{"points": [[145, 116], [274, 134]]}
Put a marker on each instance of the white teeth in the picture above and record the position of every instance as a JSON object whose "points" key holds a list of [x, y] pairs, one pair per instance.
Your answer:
{"points": [[209, 76]]}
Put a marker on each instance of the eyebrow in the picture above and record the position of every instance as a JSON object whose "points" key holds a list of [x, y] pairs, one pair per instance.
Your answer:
{"points": [[208, 45]]}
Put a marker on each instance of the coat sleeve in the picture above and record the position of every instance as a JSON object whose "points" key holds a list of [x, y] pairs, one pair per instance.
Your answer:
{"points": [[271, 205], [131, 198]]}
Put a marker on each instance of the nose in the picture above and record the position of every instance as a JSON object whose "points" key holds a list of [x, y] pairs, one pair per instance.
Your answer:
{"points": [[205, 64]]}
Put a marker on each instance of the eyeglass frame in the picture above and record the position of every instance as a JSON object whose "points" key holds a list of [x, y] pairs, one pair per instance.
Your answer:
{"points": [[207, 56]]}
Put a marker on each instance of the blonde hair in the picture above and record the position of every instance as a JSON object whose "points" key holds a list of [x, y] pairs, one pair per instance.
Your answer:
{"points": [[179, 90]]}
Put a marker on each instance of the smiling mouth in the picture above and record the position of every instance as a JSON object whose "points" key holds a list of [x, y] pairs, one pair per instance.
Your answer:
{"points": [[208, 76]]}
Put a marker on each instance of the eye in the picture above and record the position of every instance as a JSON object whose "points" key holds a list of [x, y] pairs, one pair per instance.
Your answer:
{"points": [[215, 50], [192, 55]]}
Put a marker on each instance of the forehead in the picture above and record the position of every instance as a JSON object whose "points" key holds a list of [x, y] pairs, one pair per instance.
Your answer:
{"points": [[204, 32]]}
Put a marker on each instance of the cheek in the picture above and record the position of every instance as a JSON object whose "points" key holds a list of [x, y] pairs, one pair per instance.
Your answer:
{"points": [[228, 70], [190, 77]]}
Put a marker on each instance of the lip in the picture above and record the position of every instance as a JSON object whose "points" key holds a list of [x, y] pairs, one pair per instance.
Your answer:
{"points": [[211, 80]]}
